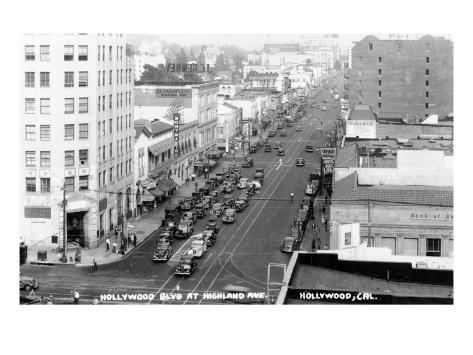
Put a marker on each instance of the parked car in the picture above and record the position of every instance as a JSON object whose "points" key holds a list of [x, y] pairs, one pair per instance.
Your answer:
{"points": [[228, 201], [324, 108], [289, 245], [259, 176], [209, 237], [213, 224], [28, 283], [289, 124], [242, 183], [229, 216], [310, 189], [300, 162], [187, 204], [163, 252], [217, 209], [281, 152], [277, 145], [299, 128], [240, 205], [184, 229], [248, 163], [268, 148], [251, 189], [271, 133], [309, 148], [187, 266], [253, 148], [198, 248], [200, 211], [283, 133], [257, 184], [166, 237], [190, 215]]}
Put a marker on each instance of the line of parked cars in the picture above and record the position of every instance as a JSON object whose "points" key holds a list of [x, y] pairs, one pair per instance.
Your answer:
{"points": [[293, 240]]}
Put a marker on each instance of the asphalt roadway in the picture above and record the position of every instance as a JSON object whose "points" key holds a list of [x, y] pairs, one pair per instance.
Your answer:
{"points": [[243, 249]]}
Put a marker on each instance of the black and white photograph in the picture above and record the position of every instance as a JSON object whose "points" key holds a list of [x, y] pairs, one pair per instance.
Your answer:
{"points": [[179, 169]]}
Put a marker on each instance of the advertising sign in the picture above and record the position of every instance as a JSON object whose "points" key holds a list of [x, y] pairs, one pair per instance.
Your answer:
{"points": [[177, 121], [173, 93], [328, 153], [361, 129]]}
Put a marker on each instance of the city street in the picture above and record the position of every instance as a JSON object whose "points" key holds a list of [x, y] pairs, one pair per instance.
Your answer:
{"points": [[243, 249]]}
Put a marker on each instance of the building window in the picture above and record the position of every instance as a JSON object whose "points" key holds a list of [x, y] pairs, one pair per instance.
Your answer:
{"points": [[111, 150], [379, 71], [110, 125], [69, 105], [370, 46], [83, 79], [426, 105], [110, 172], [44, 53], [110, 53], [110, 77], [433, 247], [98, 76], [29, 79], [98, 103], [29, 53], [68, 79], [103, 53], [427, 59], [398, 46], [69, 158], [83, 52], [98, 58], [68, 53], [44, 159], [379, 82], [103, 177], [45, 132], [426, 71], [427, 47], [426, 83], [30, 132], [103, 152], [30, 184], [379, 93], [44, 79], [426, 94], [110, 102], [380, 59], [69, 184], [103, 103], [44, 106], [103, 78], [84, 182], [83, 157], [45, 185], [83, 104], [68, 132], [100, 175], [30, 157], [83, 130]]}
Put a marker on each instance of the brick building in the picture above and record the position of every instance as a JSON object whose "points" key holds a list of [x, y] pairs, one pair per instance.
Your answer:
{"points": [[412, 77]]}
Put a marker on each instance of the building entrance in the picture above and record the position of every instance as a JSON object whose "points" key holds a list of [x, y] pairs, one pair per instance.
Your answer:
{"points": [[75, 228]]}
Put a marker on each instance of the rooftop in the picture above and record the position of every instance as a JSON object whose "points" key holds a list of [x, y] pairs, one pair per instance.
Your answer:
{"points": [[158, 127], [414, 131]]}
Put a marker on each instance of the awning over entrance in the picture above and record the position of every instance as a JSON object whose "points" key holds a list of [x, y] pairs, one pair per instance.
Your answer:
{"points": [[212, 162], [215, 153], [147, 196], [156, 192], [154, 149], [163, 187], [198, 164]]}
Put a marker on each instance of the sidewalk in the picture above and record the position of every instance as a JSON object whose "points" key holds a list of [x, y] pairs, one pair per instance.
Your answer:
{"points": [[143, 226], [310, 233], [253, 139]]}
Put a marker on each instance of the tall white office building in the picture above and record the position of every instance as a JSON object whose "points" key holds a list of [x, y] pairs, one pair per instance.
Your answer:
{"points": [[76, 117]]}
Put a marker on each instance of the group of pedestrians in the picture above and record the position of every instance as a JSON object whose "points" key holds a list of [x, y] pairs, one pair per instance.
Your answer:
{"points": [[125, 239]]}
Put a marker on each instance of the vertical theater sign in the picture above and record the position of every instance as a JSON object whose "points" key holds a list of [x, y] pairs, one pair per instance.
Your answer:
{"points": [[177, 121]]}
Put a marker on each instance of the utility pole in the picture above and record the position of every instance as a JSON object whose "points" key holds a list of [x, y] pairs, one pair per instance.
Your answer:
{"points": [[64, 225]]}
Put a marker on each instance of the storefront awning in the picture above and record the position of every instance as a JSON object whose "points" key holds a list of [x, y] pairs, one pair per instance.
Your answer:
{"points": [[215, 153], [154, 149], [212, 162], [147, 196], [163, 187], [198, 163], [156, 192]]}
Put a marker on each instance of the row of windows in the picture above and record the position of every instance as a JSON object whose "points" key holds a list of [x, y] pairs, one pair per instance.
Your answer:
{"points": [[119, 77], [102, 49], [119, 147], [380, 59], [44, 50], [45, 158], [426, 105], [398, 46], [45, 82], [69, 184], [101, 104], [45, 132], [45, 105], [119, 125], [119, 173]]}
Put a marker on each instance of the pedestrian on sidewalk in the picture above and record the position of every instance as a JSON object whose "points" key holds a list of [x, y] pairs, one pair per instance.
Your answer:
{"points": [[193, 176], [187, 180], [326, 225], [107, 244], [129, 240], [313, 243], [116, 231], [134, 240], [313, 225], [76, 296], [95, 266], [114, 247]]}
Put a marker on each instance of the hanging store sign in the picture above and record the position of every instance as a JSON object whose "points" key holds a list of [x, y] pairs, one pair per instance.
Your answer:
{"points": [[361, 129], [328, 153], [177, 122]]}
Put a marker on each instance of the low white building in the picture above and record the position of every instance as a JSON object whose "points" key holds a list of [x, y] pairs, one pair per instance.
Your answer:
{"points": [[228, 125], [147, 59]]}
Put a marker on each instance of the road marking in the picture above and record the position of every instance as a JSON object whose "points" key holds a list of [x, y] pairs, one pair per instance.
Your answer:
{"points": [[279, 165], [300, 139], [177, 255]]}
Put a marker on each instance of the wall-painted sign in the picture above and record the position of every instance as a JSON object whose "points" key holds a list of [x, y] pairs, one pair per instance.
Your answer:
{"points": [[361, 129], [164, 93]]}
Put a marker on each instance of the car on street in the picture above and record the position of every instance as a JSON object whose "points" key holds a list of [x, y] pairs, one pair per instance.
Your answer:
{"points": [[268, 148], [217, 209], [299, 128], [200, 210], [283, 133], [310, 189], [190, 216], [184, 229], [257, 184], [229, 216], [248, 163], [277, 145], [317, 107], [187, 266], [281, 152], [28, 283], [289, 245], [289, 124], [309, 148], [253, 149], [259, 176], [242, 183], [198, 248], [280, 126], [228, 201], [208, 236], [207, 201], [324, 108], [166, 237], [300, 162], [163, 252], [271, 133], [228, 187], [213, 224], [240, 205], [187, 204], [250, 189]]}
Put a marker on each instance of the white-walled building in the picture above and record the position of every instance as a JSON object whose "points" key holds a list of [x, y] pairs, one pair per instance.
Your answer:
{"points": [[76, 112], [147, 59], [228, 126]]}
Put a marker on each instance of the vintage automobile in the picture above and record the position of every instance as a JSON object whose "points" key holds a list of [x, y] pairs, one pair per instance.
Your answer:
{"points": [[217, 209], [229, 216], [250, 189], [268, 148], [163, 252], [283, 133], [197, 196], [309, 148], [189, 215], [240, 205], [184, 229], [257, 184], [200, 211], [253, 148], [213, 224], [324, 108], [299, 128], [259, 176], [207, 201], [198, 248], [216, 193], [228, 201], [271, 133], [280, 125], [166, 237], [289, 124], [300, 162], [277, 145], [228, 187], [172, 213], [310, 189], [281, 152], [187, 204], [204, 190], [242, 183], [306, 203], [187, 266], [289, 245], [317, 107], [209, 237], [28, 283], [248, 163]]}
